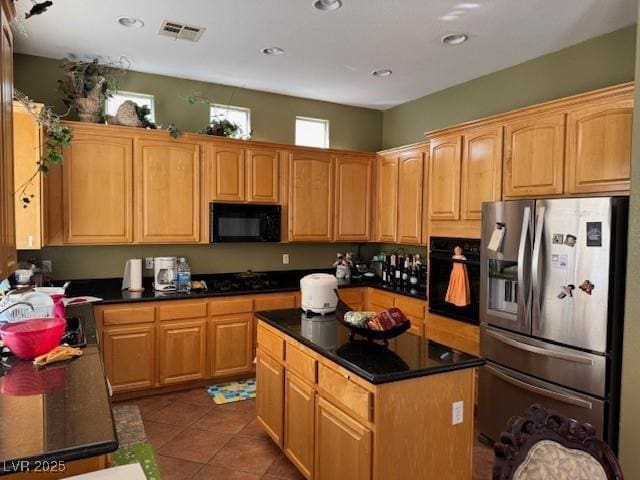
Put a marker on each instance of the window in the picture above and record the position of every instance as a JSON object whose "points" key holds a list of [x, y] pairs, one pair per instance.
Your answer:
{"points": [[312, 132], [238, 115], [139, 98]]}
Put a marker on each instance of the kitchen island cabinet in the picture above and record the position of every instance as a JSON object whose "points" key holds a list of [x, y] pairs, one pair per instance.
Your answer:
{"points": [[349, 415]]}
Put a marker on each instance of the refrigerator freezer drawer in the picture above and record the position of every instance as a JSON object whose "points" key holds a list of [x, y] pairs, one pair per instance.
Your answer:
{"points": [[574, 369], [505, 393]]}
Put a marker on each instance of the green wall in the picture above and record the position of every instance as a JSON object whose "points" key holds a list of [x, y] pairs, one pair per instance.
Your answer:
{"points": [[630, 405], [108, 261], [595, 63], [272, 115]]}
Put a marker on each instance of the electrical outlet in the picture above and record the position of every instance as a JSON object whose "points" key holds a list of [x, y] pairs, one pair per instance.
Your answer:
{"points": [[285, 259], [457, 412], [47, 265], [148, 263]]}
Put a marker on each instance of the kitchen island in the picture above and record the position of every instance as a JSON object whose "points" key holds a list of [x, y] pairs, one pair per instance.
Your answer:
{"points": [[56, 421], [357, 410]]}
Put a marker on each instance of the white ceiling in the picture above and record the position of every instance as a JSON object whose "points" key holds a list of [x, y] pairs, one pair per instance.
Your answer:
{"points": [[328, 55]]}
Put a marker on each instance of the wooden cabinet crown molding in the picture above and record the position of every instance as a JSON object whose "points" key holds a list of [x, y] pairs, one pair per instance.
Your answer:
{"points": [[556, 105], [163, 135]]}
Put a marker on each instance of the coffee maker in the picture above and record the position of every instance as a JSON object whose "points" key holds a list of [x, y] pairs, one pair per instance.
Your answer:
{"points": [[164, 274]]}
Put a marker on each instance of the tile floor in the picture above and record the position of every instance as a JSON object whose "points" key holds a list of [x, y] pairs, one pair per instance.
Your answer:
{"points": [[195, 439]]}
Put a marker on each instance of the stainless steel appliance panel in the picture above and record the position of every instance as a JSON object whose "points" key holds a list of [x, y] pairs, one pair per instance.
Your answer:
{"points": [[505, 287], [505, 393], [571, 368], [570, 271]]}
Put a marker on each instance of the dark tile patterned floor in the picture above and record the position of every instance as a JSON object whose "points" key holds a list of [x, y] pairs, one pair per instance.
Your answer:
{"points": [[195, 439]]}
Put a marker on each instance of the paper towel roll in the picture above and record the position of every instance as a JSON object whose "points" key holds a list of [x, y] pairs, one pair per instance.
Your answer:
{"points": [[135, 269], [132, 279]]}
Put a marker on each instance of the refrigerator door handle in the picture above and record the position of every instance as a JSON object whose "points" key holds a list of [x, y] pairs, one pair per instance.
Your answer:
{"points": [[539, 350], [535, 269], [525, 240], [560, 397]]}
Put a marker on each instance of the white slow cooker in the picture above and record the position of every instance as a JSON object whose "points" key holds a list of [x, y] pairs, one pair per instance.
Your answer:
{"points": [[319, 293]]}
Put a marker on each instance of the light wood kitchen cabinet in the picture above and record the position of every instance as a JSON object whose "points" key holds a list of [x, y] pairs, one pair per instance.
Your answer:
{"points": [[444, 178], [8, 257], [263, 175], [599, 146], [182, 350], [28, 181], [299, 412], [410, 191], [226, 173], [534, 156], [354, 183], [231, 344], [129, 353], [387, 195], [311, 196], [270, 400], [481, 176], [343, 445], [167, 185], [454, 333], [98, 189]]}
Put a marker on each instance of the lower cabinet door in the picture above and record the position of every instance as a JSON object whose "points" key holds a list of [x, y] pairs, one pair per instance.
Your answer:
{"points": [[231, 344], [299, 414], [343, 448], [129, 356], [270, 396], [183, 351]]}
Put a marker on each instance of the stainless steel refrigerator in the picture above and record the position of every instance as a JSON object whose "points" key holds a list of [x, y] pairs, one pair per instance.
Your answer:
{"points": [[551, 310]]}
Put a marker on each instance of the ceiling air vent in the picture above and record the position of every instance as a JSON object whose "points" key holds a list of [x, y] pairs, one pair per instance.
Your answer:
{"points": [[180, 31]]}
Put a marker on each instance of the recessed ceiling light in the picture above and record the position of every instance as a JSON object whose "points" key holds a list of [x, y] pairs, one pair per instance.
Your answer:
{"points": [[454, 38], [327, 5], [273, 51], [468, 6], [130, 22], [383, 72]]}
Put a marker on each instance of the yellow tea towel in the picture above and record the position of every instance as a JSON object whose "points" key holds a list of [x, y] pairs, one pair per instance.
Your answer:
{"points": [[58, 354]]}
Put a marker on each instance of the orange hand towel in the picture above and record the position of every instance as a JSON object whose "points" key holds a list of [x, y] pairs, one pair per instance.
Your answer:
{"points": [[459, 292]]}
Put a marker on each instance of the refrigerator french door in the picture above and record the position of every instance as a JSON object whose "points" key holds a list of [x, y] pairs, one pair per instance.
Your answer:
{"points": [[552, 286]]}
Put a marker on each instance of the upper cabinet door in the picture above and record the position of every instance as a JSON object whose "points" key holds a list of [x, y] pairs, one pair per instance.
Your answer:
{"points": [[8, 256], [354, 177], [97, 189], [444, 178], [262, 176], [410, 189], [167, 192], [226, 173], [534, 156], [599, 152], [387, 208], [481, 170], [311, 197]]}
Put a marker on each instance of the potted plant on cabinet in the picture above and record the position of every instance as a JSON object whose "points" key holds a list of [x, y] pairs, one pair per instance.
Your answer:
{"points": [[86, 86]]}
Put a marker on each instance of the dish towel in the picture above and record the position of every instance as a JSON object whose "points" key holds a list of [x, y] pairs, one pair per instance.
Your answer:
{"points": [[458, 292]]}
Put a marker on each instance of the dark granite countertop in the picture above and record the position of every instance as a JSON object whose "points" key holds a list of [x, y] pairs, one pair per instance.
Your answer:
{"points": [[407, 356], [58, 413], [109, 289]]}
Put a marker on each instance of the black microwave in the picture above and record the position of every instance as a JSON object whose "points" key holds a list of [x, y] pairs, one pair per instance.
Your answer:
{"points": [[244, 223]]}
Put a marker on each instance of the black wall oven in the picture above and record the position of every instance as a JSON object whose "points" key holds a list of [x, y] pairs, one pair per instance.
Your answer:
{"points": [[244, 223], [441, 251]]}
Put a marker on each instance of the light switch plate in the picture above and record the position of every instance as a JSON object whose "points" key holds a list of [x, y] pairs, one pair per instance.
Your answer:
{"points": [[285, 259], [47, 266], [148, 263], [457, 412]]}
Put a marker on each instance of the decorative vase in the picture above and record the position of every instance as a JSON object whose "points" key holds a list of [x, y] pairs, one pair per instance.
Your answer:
{"points": [[88, 109]]}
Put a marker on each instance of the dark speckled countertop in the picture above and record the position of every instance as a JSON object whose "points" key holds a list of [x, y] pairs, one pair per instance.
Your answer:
{"points": [[407, 356], [109, 289], [59, 413]]}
